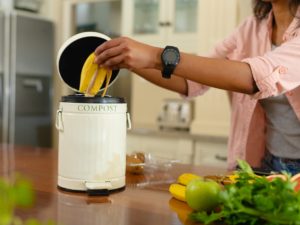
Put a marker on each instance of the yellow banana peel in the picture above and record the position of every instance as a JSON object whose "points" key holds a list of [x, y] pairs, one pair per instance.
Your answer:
{"points": [[185, 178], [92, 77], [178, 191], [108, 77]]}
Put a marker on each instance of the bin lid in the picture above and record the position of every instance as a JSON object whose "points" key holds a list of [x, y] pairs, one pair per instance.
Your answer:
{"points": [[72, 55], [80, 98]]}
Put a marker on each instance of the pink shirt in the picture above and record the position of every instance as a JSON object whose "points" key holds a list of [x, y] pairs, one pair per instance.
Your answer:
{"points": [[274, 72]]}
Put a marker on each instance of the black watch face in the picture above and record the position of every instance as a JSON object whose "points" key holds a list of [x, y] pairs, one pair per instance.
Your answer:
{"points": [[171, 56]]}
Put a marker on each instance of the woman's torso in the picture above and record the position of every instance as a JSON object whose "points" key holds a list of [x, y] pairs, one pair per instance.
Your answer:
{"points": [[282, 127], [247, 134]]}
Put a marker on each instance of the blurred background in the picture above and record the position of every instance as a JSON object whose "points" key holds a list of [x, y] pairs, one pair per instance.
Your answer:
{"points": [[164, 124]]}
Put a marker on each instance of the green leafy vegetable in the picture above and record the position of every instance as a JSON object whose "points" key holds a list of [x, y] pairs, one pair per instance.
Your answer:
{"points": [[17, 193], [254, 200], [14, 194]]}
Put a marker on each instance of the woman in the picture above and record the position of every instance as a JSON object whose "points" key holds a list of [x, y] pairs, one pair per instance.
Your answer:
{"points": [[258, 63]]}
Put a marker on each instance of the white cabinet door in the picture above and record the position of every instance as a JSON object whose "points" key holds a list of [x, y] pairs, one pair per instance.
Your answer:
{"points": [[160, 23], [183, 25], [211, 152], [161, 146], [142, 19]]}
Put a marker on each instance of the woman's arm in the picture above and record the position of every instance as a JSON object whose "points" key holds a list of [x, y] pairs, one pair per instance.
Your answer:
{"points": [[138, 57], [220, 73], [175, 83]]}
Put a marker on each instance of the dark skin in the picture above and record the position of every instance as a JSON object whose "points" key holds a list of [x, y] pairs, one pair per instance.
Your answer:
{"points": [[282, 19], [145, 61]]}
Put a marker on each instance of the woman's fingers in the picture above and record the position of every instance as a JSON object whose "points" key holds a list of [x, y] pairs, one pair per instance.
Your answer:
{"points": [[126, 53], [107, 54], [115, 62], [114, 53], [108, 44]]}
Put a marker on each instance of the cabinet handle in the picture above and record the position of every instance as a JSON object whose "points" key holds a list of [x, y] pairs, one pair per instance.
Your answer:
{"points": [[220, 157], [162, 24], [165, 24], [33, 83]]}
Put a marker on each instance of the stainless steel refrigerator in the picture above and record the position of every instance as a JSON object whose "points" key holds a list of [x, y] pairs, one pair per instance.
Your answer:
{"points": [[26, 69]]}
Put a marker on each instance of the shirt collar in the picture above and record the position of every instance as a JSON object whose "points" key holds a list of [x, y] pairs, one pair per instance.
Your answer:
{"points": [[269, 21], [294, 24], [291, 28]]}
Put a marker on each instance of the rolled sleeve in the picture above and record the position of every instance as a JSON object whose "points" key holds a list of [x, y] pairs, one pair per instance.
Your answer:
{"points": [[277, 71]]}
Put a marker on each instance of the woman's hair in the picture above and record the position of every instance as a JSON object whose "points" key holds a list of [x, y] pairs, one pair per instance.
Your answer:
{"points": [[261, 9]]}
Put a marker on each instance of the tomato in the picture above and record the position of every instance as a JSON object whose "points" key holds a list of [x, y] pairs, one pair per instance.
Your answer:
{"points": [[296, 178], [202, 194]]}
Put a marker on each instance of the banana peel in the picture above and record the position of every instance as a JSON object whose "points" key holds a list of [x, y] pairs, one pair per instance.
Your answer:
{"points": [[92, 77], [185, 178], [178, 191], [108, 77]]}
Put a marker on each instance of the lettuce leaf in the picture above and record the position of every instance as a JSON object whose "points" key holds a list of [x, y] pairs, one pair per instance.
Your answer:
{"points": [[254, 200]]}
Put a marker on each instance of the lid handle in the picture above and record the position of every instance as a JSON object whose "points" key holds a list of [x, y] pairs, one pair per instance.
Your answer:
{"points": [[128, 121], [58, 123]]}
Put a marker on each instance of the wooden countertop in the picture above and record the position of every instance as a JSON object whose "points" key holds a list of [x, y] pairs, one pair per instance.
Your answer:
{"points": [[145, 200]]}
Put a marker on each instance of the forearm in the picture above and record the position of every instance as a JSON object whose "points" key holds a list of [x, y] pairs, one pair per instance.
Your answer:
{"points": [[220, 73], [176, 83]]}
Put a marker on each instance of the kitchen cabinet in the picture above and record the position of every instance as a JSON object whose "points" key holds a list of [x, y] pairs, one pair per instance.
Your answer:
{"points": [[187, 148], [161, 144], [172, 22], [211, 151]]}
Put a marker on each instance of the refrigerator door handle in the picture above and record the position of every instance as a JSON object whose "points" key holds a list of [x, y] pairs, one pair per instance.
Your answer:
{"points": [[33, 83], [12, 77], [6, 78], [1, 92]]}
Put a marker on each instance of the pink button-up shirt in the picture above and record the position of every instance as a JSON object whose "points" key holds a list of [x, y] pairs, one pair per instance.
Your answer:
{"points": [[274, 72]]}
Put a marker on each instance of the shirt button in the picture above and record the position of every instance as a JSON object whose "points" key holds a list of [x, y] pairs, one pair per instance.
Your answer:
{"points": [[283, 70]]}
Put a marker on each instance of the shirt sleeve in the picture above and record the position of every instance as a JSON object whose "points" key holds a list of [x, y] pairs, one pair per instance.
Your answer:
{"points": [[277, 71]]}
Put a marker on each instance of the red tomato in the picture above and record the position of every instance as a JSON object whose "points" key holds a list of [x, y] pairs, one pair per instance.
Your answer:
{"points": [[296, 178]]}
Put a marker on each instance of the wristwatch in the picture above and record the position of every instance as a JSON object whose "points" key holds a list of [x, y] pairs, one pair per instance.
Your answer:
{"points": [[170, 57]]}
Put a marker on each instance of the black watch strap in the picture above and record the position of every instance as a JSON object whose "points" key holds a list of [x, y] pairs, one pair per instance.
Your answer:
{"points": [[167, 71]]}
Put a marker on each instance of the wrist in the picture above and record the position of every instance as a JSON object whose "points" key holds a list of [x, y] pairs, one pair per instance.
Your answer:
{"points": [[157, 64], [170, 57]]}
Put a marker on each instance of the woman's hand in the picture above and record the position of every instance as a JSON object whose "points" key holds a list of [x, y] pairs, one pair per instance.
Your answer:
{"points": [[126, 53]]}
